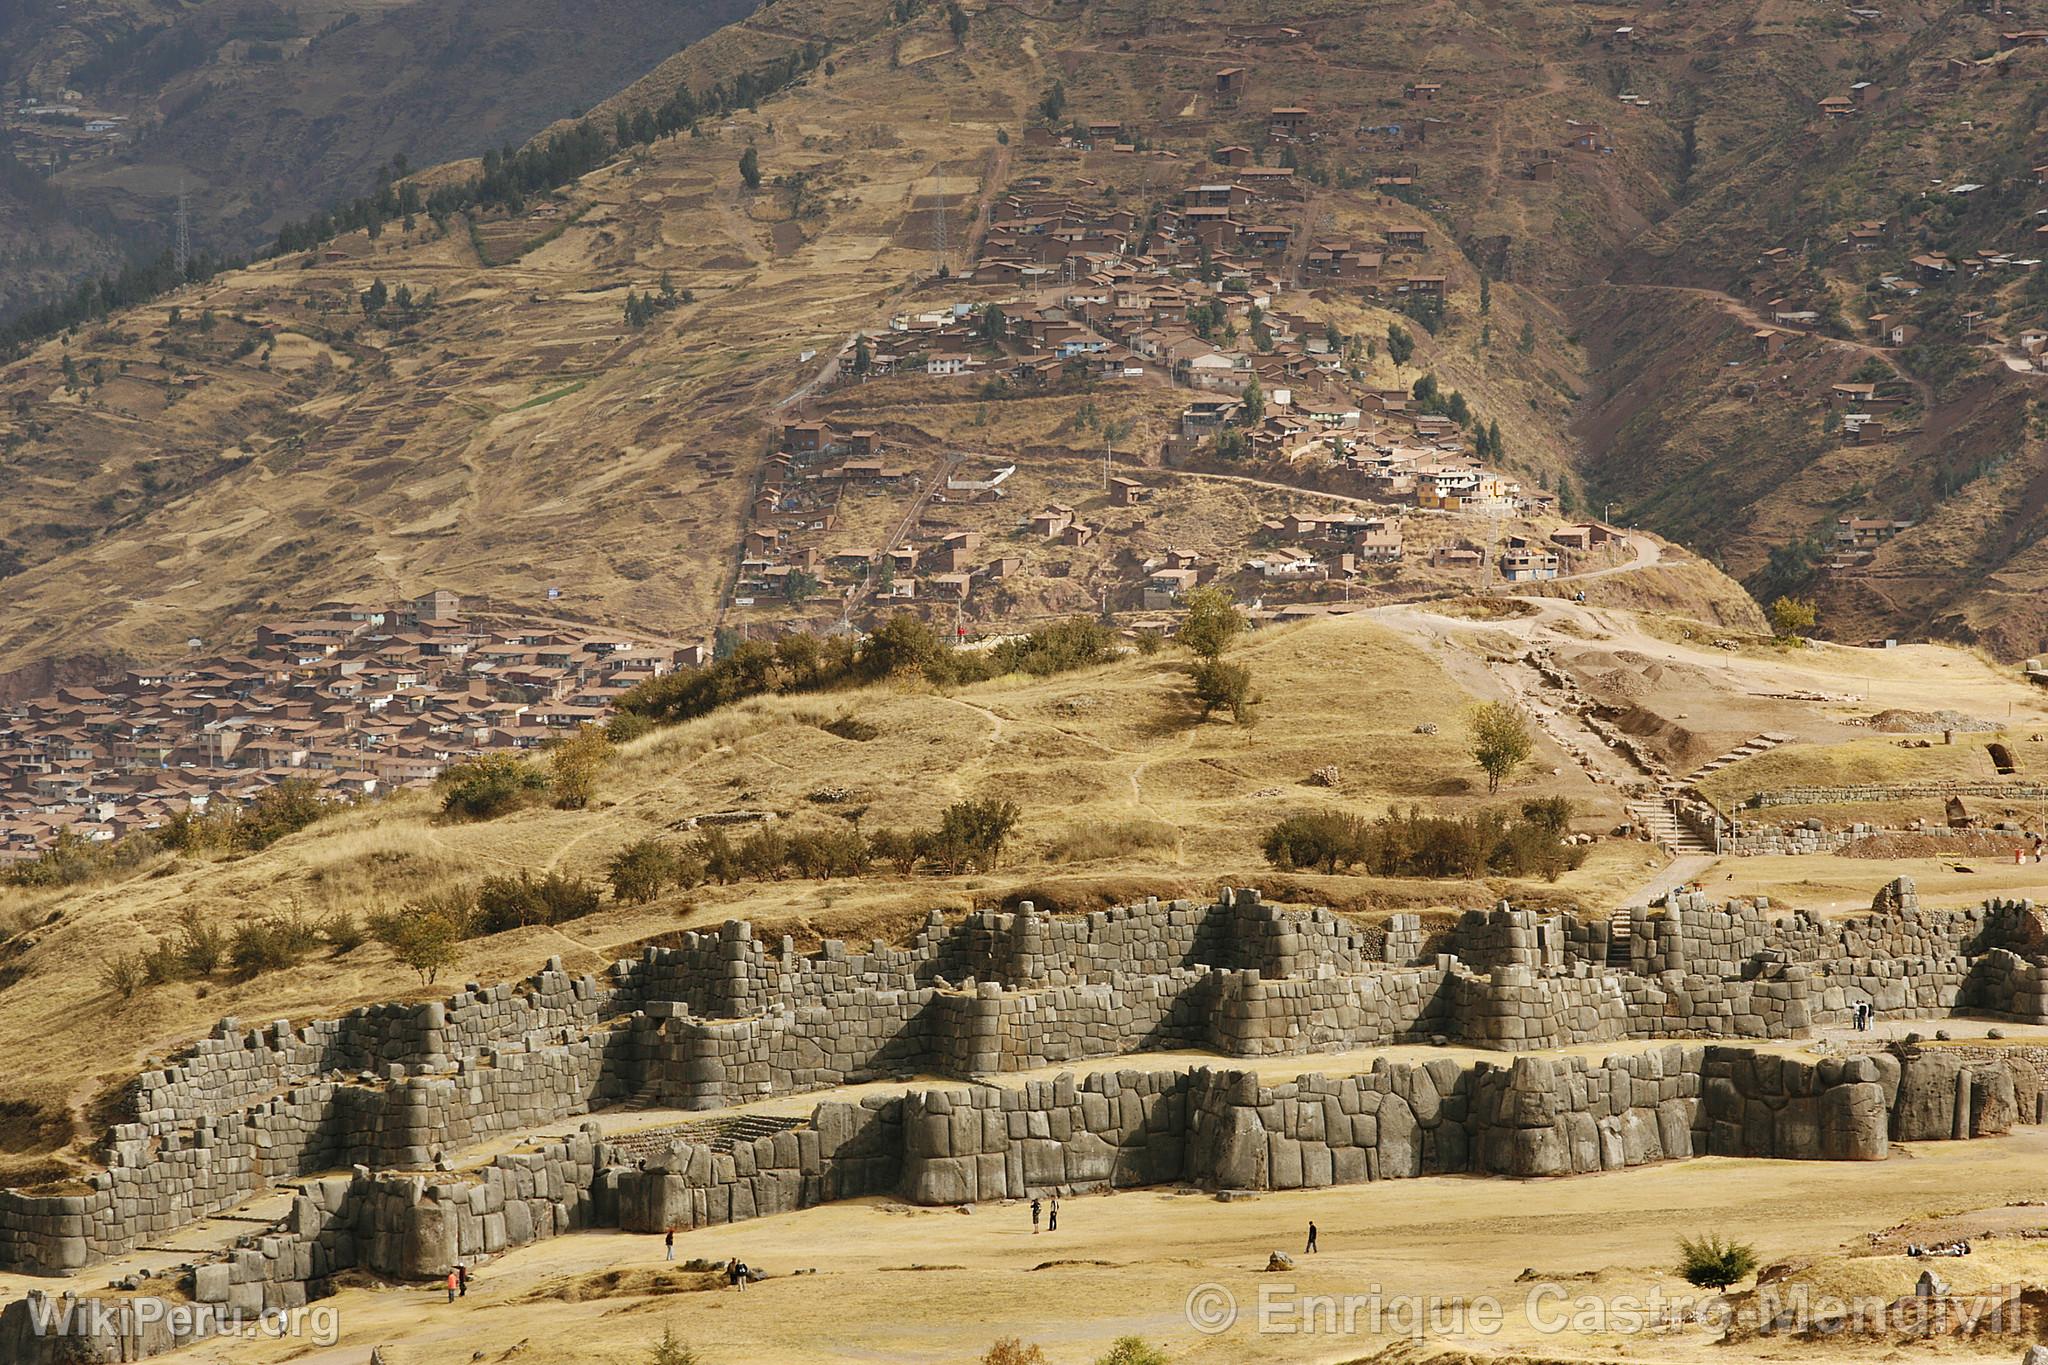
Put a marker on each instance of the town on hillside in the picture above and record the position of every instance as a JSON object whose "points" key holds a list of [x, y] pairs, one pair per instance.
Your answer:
{"points": [[1197, 344], [359, 702]]}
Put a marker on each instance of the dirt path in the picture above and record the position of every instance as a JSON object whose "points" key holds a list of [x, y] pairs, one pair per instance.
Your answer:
{"points": [[1674, 873], [984, 208]]}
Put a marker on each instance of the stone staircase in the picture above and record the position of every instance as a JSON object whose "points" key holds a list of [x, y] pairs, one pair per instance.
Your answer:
{"points": [[1621, 929], [1755, 744], [719, 1134], [1666, 828]]}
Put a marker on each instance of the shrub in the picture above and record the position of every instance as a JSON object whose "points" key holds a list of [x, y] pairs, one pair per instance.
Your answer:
{"points": [[894, 847], [285, 808], [271, 943], [714, 849], [123, 975], [669, 1351], [201, 947], [1076, 642], [1413, 844], [1132, 1351], [626, 726], [575, 763], [1326, 839], [1713, 1262], [425, 937], [827, 853], [640, 871], [504, 903], [1011, 1351], [762, 855], [971, 834], [1224, 686], [344, 932], [486, 787]]}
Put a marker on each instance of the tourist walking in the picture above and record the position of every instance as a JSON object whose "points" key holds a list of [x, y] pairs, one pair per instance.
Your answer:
{"points": [[462, 1280], [736, 1274], [1311, 1236], [1052, 1219], [451, 1286], [668, 1245], [1034, 1217]]}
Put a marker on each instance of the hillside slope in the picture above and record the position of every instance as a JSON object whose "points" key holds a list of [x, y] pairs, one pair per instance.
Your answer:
{"points": [[262, 114]]}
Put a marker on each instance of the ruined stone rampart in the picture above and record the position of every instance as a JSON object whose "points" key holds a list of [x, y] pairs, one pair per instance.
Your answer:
{"points": [[725, 1018]]}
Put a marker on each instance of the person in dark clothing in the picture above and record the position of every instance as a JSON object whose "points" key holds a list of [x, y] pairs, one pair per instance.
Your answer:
{"points": [[1034, 1215], [1311, 1236], [1052, 1215], [462, 1281], [668, 1245]]}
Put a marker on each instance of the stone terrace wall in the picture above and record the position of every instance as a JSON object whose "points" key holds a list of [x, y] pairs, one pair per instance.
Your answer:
{"points": [[724, 1018], [1216, 1128], [234, 1067]]}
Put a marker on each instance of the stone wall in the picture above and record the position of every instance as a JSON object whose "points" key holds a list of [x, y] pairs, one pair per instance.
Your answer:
{"points": [[726, 1017], [1206, 1127]]}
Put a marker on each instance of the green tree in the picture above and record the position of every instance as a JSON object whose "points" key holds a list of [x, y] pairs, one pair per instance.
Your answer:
{"points": [[1254, 400], [1501, 741], [1485, 293], [1793, 616], [1053, 101], [641, 870], [1212, 622], [1527, 343], [956, 23], [574, 764], [750, 168], [375, 297], [424, 937], [1400, 345], [1220, 685]]}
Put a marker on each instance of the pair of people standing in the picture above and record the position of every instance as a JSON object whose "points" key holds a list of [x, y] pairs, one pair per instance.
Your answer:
{"points": [[1054, 1224]]}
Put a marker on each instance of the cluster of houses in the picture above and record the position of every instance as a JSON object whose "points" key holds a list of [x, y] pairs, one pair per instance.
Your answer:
{"points": [[1237, 219], [1856, 540], [358, 701], [795, 543]]}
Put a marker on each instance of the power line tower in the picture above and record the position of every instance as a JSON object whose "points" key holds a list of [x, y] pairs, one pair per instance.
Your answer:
{"points": [[181, 247]]}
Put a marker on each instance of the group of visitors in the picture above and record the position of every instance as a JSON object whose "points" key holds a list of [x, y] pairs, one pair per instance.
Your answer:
{"points": [[736, 1273], [1862, 1014]]}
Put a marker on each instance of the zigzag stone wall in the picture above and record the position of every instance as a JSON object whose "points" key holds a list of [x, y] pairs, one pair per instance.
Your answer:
{"points": [[726, 1018]]}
